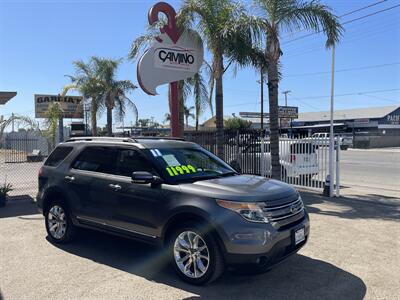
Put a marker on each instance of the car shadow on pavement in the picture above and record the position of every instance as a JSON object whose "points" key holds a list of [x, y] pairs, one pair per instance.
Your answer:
{"points": [[368, 206], [19, 206], [299, 277]]}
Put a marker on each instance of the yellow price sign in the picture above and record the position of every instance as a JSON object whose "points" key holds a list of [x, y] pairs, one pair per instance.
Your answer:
{"points": [[180, 170]]}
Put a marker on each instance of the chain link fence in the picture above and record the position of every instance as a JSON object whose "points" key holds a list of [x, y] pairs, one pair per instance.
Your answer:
{"points": [[21, 156]]}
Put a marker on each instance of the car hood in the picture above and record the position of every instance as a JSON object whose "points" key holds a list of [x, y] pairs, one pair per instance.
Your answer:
{"points": [[246, 188]]}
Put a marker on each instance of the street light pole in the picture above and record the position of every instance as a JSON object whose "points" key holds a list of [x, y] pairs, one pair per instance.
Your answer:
{"points": [[331, 138]]}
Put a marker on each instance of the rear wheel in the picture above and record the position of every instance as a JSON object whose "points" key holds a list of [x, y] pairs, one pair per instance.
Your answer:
{"points": [[195, 255], [58, 222]]}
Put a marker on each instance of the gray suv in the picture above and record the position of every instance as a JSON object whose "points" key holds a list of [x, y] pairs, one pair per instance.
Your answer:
{"points": [[173, 194]]}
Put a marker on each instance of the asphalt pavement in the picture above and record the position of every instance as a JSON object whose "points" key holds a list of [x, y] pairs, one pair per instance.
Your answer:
{"points": [[375, 170], [352, 253]]}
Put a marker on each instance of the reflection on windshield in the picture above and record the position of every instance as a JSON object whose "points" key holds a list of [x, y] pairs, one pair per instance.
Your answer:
{"points": [[190, 164]]}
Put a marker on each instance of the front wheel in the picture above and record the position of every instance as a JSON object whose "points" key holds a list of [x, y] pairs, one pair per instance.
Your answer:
{"points": [[59, 226], [196, 256]]}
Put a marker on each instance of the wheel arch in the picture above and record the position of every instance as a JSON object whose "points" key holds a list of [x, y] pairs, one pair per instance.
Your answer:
{"points": [[183, 217], [51, 195]]}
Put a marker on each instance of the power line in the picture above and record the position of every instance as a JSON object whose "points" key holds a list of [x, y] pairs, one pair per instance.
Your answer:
{"points": [[344, 23], [363, 93], [352, 12], [344, 70]]}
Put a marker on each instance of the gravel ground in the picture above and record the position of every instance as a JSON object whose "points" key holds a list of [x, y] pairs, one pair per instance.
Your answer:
{"points": [[353, 253]]}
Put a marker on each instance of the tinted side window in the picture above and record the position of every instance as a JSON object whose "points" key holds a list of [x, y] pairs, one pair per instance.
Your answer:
{"points": [[96, 159], [129, 161], [57, 156]]}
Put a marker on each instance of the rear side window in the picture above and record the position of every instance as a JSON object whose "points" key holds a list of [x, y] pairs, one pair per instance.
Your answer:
{"points": [[57, 156], [96, 159]]}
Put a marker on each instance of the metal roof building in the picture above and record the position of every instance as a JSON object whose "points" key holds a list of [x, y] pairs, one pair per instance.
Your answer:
{"points": [[349, 114]]}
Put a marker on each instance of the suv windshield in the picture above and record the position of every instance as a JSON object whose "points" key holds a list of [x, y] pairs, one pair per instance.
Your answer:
{"points": [[189, 164]]}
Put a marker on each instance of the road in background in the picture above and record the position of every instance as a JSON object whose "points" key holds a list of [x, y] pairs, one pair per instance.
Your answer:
{"points": [[375, 169]]}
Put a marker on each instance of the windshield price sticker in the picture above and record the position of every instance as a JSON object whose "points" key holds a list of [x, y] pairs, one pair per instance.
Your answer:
{"points": [[180, 170]]}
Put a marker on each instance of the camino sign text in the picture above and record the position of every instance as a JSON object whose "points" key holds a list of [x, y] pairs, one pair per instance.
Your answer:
{"points": [[71, 106]]}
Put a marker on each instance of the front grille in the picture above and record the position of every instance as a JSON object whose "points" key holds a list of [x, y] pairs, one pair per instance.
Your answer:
{"points": [[286, 212]]}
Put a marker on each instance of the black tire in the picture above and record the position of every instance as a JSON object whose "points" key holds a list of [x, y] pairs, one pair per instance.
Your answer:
{"points": [[343, 147], [70, 228], [216, 265]]}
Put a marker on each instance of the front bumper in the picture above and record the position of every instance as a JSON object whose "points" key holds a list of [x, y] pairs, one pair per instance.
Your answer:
{"points": [[257, 242]]}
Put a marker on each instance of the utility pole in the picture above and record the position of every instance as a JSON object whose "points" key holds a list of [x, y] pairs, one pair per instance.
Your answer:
{"points": [[331, 138], [262, 97], [286, 93]]}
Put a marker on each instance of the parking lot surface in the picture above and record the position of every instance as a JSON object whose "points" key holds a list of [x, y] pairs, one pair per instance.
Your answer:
{"points": [[353, 253]]}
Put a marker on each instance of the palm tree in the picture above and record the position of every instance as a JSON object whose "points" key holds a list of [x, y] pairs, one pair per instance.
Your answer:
{"points": [[188, 113], [113, 92], [279, 16], [197, 87], [167, 118], [85, 81], [225, 28], [53, 115]]}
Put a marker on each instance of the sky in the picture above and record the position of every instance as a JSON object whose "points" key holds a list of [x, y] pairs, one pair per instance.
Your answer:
{"points": [[39, 40]]}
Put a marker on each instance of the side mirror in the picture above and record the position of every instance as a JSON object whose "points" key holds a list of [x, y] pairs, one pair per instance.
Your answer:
{"points": [[143, 177]]}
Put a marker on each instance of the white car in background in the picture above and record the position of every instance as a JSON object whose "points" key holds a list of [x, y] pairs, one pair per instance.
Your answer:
{"points": [[321, 139], [297, 158]]}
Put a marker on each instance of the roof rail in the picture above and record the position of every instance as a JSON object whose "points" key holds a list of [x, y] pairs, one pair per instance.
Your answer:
{"points": [[101, 138], [158, 138]]}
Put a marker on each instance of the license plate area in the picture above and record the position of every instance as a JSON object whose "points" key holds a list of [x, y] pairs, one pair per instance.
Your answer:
{"points": [[299, 235]]}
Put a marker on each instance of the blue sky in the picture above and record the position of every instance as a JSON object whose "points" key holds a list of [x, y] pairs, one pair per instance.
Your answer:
{"points": [[40, 39]]}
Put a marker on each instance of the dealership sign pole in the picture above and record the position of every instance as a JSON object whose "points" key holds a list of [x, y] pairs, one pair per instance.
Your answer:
{"points": [[173, 56]]}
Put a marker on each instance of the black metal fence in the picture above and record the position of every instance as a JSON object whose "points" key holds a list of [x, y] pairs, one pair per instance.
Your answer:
{"points": [[303, 160]]}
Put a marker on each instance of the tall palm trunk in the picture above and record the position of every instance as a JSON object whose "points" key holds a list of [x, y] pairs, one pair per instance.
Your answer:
{"points": [[219, 102], [181, 108], [197, 121], [109, 107], [273, 81], [93, 117]]}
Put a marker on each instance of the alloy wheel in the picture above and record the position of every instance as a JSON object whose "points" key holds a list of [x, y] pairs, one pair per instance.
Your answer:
{"points": [[191, 254], [57, 222]]}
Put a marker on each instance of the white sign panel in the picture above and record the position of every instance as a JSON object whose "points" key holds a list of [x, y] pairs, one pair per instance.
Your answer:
{"points": [[71, 106], [166, 62]]}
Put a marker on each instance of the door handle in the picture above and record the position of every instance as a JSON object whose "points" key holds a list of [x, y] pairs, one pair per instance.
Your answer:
{"points": [[69, 178], [115, 187]]}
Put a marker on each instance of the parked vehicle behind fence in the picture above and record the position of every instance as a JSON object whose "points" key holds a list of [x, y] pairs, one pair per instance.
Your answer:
{"points": [[322, 139], [297, 158]]}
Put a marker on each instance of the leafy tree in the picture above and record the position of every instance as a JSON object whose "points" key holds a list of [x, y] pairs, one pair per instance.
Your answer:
{"points": [[277, 16], [237, 123]]}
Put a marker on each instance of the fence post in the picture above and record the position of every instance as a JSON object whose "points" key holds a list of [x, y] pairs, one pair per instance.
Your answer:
{"points": [[338, 168], [262, 160]]}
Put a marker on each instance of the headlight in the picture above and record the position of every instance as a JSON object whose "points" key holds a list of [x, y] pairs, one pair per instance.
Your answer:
{"points": [[250, 211]]}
